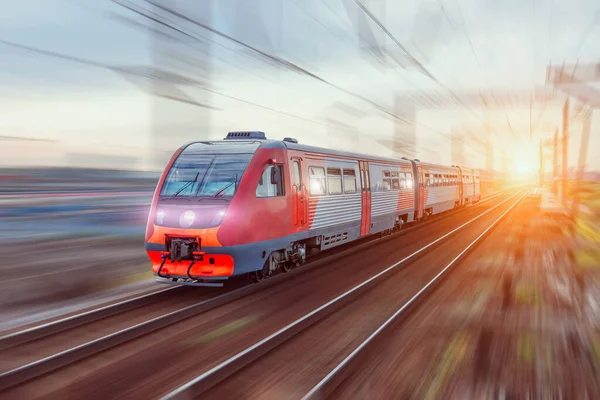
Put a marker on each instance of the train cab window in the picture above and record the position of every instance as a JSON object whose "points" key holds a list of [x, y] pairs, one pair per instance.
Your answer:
{"points": [[427, 180], [387, 181], [402, 181], [395, 180], [334, 180], [296, 170], [271, 182], [317, 180], [349, 181]]}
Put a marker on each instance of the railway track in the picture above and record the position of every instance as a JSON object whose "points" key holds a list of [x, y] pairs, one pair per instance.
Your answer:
{"points": [[86, 349], [46, 328], [296, 341]]}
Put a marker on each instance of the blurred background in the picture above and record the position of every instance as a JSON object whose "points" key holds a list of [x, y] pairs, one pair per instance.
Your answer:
{"points": [[96, 96]]}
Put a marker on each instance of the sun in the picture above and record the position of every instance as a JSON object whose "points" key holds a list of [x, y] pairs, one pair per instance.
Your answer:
{"points": [[525, 168]]}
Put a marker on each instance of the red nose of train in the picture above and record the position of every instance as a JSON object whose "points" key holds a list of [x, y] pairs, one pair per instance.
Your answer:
{"points": [[180, 236]]}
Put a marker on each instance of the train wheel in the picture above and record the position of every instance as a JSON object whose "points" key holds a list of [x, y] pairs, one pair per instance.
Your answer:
{"points": [[259, 276], [286, 266]]}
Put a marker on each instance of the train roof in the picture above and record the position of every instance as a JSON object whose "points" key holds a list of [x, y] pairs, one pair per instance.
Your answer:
{"points": [[250, 143]]}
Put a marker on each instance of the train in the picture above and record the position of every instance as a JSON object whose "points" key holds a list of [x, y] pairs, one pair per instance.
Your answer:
{"points": [[250, 206]]}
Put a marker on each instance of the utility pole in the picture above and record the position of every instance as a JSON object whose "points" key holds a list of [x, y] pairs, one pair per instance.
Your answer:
{"points": [[583, 150], [555, 163], [565, 150]]}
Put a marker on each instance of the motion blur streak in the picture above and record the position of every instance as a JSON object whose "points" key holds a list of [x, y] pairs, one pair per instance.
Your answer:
{"points": [[97, 96]]}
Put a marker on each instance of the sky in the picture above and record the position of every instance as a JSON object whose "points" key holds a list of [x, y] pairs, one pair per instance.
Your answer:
{"points": [[91, 102]]}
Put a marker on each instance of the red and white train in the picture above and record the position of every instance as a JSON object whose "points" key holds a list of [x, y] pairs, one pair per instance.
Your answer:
{"points": [[248, 205]]}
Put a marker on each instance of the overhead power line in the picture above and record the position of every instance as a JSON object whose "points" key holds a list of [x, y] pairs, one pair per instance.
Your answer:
{"points": [[276, 60], [463, 24], [171, 80], [413, 59]]}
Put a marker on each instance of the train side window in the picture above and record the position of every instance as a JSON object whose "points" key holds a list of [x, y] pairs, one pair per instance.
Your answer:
{"points": [[271, 182], [409, 180], [395, 180], [297, 182], [402, 181], [334, 180], [349, 181], [427, 180], [317, 181], [387, 181]]}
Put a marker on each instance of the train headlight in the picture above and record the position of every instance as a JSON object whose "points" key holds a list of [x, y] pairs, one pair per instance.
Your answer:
{"points": [[160, 216], [218, 218], [187, 219]]}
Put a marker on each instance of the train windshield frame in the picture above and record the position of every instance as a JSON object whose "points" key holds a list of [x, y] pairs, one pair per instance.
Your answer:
{"points": [[205, 175]]}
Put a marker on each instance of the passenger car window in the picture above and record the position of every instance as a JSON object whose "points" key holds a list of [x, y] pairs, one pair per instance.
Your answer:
{"points": [[395, 180], [317, 180], [409, 180], [334, 180], [387, 181], [271, 182], [402, 180], [349, 181]]}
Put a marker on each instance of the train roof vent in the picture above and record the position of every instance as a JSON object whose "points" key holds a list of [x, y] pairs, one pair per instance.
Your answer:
{"points": [[404, 158], [246, 135], [417, 160], [290, 139]]}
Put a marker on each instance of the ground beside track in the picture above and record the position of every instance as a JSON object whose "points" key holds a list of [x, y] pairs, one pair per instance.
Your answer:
{"points": [[154, 364], [518, 318], [294, 367]]}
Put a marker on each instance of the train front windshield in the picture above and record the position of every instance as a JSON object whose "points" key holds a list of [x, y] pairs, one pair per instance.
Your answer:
{"points": [[205, 175]]}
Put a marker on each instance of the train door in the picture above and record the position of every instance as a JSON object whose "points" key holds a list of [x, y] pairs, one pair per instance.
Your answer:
{"points": [[420, 204], [365, 226], [299, 194]]}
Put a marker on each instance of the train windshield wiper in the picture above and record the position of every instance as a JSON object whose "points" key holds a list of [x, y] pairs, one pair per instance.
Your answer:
{"points": [[224, 188], [186, 185]]}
